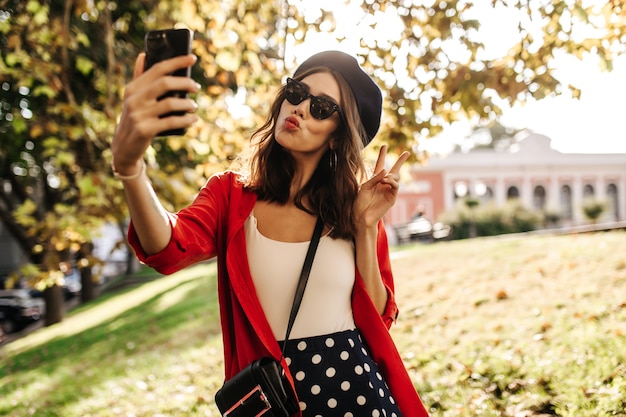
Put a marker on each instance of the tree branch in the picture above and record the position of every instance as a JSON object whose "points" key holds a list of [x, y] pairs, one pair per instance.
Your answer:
{"points": [[65, 53], [109, 41]]}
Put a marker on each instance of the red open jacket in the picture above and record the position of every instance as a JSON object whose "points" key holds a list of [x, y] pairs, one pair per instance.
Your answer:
{"points": [[213, 226]]}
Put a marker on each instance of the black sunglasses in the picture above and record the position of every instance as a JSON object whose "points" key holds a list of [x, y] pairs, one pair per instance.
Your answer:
{"points": [[321, 107]]}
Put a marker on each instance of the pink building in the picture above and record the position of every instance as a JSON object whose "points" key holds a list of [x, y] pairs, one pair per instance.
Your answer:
{"points": [[539, 176]]}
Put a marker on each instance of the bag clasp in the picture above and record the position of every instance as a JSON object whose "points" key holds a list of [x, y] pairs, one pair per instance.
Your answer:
{"points": [[261, 396]]}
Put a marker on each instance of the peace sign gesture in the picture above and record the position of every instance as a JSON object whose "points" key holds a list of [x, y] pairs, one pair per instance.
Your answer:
{"points": [[378, 195]]}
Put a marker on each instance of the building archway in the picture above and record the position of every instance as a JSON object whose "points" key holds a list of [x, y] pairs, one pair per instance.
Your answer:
{"points": [[539, 198], [612, 196], [512, 193], [565, 197]]}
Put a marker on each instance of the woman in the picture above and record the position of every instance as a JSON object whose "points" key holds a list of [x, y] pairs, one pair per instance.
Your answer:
{"points": [[305, 163]]}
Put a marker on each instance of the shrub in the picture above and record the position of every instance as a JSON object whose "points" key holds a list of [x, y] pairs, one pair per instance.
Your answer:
{"points": [[593, 209], [490, 220]]}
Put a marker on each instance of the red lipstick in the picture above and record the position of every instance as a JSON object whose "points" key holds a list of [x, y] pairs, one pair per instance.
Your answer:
{"points": [[291, 123]]}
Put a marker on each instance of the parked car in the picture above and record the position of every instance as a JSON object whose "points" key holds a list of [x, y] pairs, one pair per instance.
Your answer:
{"points": [[19, 309], [442, 231], [420, 229]]}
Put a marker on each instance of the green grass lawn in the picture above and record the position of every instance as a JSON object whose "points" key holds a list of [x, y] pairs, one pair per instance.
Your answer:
{"points": [[510, 326]]}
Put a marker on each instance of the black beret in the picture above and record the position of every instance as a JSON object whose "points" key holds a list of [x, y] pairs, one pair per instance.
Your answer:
{"points": [[368, 96]]}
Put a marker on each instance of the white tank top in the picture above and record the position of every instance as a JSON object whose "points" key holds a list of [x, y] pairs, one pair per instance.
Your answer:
{"points": [[276, 266]]}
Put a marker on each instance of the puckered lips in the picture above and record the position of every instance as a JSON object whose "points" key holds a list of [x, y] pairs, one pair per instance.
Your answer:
{"points": [[292, 123]]}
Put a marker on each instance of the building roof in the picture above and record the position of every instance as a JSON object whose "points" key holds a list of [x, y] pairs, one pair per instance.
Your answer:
{"points": [[532, 151]]}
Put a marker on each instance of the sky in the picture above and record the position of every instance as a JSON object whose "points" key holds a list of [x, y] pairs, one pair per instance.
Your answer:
{"points": [[591, 124], [594, 123]]}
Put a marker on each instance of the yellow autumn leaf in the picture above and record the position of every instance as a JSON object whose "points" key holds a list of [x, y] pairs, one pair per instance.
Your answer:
{"points": [[36, 131], [228, 60]]}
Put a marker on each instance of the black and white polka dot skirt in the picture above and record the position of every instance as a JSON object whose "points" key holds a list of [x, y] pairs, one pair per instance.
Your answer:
{"points": [[335, 376]]}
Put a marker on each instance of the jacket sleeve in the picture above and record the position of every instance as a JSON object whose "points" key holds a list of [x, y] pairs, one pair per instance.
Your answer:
{"points": [[390, 314], [194, 230]]}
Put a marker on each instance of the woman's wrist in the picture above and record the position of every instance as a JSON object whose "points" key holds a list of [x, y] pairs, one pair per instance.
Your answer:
{"points": [[127, 174], [364, 229]]}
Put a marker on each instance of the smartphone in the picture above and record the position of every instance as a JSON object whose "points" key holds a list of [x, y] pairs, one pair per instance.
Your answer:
{"points": [[165, 44]]}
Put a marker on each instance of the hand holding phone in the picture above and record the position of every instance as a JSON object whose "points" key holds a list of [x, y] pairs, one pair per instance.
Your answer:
{"points": [[165, 44]]}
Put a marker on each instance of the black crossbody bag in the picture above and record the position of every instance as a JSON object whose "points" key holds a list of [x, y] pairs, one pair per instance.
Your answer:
{"points": [[262, 388]]}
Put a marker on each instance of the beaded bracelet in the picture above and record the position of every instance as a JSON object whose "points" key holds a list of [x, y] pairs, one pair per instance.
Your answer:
{"points": [[129, 177]]}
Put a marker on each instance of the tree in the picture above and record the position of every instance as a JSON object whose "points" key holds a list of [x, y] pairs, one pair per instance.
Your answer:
{"points": [[59, 100], [63, 67], [452, 78], [492, 135], [64, 63]]}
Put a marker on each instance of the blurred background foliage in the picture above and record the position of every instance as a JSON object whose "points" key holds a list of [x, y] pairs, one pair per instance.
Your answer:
{"points": [[64, 64]]}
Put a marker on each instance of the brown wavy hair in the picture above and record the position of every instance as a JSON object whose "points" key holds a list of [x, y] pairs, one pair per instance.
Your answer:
{"points": [[332, 190]]}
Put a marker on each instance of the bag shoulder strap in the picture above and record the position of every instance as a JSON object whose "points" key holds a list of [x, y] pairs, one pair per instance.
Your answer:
{"points": [[304, 277]]}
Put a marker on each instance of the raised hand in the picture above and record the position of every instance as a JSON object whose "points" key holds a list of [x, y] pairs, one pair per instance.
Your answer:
{"points": [[140, 120], [378, 195]]}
